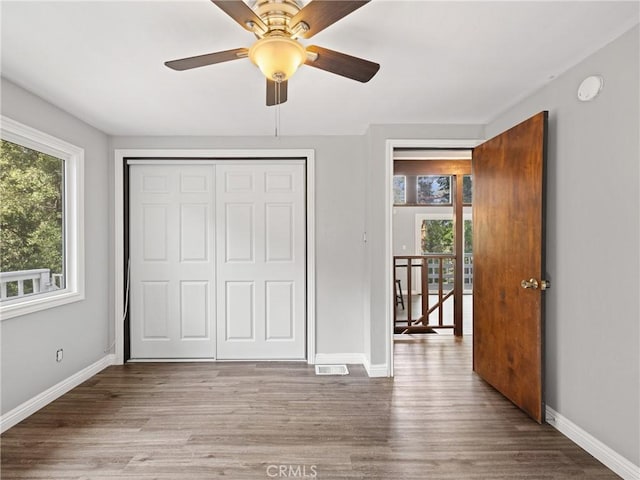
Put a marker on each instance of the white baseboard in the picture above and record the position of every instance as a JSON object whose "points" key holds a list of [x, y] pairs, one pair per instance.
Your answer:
{"points": [[613, 460], [34, 404], [377, 370], [340, 358]]}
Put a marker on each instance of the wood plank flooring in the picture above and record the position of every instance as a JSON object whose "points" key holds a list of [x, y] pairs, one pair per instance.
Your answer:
{"points": [[435, 420]]}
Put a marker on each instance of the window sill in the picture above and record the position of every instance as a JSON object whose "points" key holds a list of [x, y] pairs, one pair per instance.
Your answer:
{"points": [[39, 303]]}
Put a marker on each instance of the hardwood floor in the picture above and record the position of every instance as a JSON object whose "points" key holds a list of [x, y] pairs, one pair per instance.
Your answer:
{"points": [[434, 420]]}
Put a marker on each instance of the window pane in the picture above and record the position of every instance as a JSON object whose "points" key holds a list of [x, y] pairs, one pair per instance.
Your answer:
{"points": [[467, 271], [468, 236], [31, 221], [436, 236], [433, 190], [466, 189], [399, 189]]}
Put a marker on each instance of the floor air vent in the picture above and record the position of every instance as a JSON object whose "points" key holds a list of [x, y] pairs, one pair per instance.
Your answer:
{"points": [[331, 370]]}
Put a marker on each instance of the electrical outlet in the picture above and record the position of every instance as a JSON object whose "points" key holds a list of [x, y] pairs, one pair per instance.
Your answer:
{"points": [[59, 354]]}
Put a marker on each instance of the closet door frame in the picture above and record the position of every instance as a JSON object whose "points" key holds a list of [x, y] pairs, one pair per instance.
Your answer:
{"points": [[119, 346]]}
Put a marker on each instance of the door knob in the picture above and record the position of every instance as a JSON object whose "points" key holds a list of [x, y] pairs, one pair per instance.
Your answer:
{"points": [[533, 284]]}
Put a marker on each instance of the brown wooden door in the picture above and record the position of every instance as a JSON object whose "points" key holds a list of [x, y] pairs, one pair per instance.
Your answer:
{"points": [[508, 247]]}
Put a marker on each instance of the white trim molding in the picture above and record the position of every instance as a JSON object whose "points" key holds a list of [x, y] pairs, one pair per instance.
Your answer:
{"points": [[376, 370], [73, 215], [340, 358], [191, 155], [610, 458], [31, 406]]}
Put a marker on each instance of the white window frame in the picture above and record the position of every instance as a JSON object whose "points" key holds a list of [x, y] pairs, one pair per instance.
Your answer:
{"points": [[73, 218]]}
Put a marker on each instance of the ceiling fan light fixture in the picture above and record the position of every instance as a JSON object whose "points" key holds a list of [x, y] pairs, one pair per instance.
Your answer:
{"points": [[277, 57]]}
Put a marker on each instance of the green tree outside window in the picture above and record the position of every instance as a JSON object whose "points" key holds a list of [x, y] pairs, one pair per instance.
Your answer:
{"points": [[31, 210]]}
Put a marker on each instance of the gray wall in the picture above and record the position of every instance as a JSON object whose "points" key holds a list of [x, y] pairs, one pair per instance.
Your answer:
{"points": [[29, 342], [340, 206], [592, 314]]}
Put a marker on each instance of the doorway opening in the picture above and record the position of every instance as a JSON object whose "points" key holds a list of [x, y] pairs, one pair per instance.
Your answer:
{"points": [[432, 242], [406, 150]]}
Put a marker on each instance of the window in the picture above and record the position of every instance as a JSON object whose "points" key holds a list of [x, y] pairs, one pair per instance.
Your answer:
{"points": [[467, 184], [32, 254], [467, 271], [435, 235], [41, 221], [468, 236], [399, 189], [433, 190]]}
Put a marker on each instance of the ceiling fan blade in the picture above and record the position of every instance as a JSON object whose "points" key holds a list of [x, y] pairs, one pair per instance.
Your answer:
{"points": [[276, 92], [319, 14], [341, 64], [207, 59], [241, 13]]}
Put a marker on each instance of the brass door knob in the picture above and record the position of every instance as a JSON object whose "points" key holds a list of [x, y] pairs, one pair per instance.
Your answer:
{"points": [[533, 284]]}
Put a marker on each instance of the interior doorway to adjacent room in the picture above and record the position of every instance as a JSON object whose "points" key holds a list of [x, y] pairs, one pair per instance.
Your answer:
{"points": [[432, 241]]}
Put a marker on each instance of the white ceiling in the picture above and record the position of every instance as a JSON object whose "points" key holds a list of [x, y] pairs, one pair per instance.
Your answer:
{"points": [[441, 62]]}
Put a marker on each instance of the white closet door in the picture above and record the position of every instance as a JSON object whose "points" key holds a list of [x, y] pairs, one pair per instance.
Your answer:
{"points": [[260, 261], [172, 235]]}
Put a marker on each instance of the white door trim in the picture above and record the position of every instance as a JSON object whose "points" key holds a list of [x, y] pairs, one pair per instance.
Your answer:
{"points": [[388, 220], [118, 239]]}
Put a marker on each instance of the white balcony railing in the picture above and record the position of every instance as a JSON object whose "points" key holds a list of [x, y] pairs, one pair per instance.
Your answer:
{"points": [[448, 273], [28, 282], [467, 272]]}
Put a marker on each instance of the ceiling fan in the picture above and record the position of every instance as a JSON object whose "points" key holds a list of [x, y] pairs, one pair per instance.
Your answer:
{"points": [[277, 24]]}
